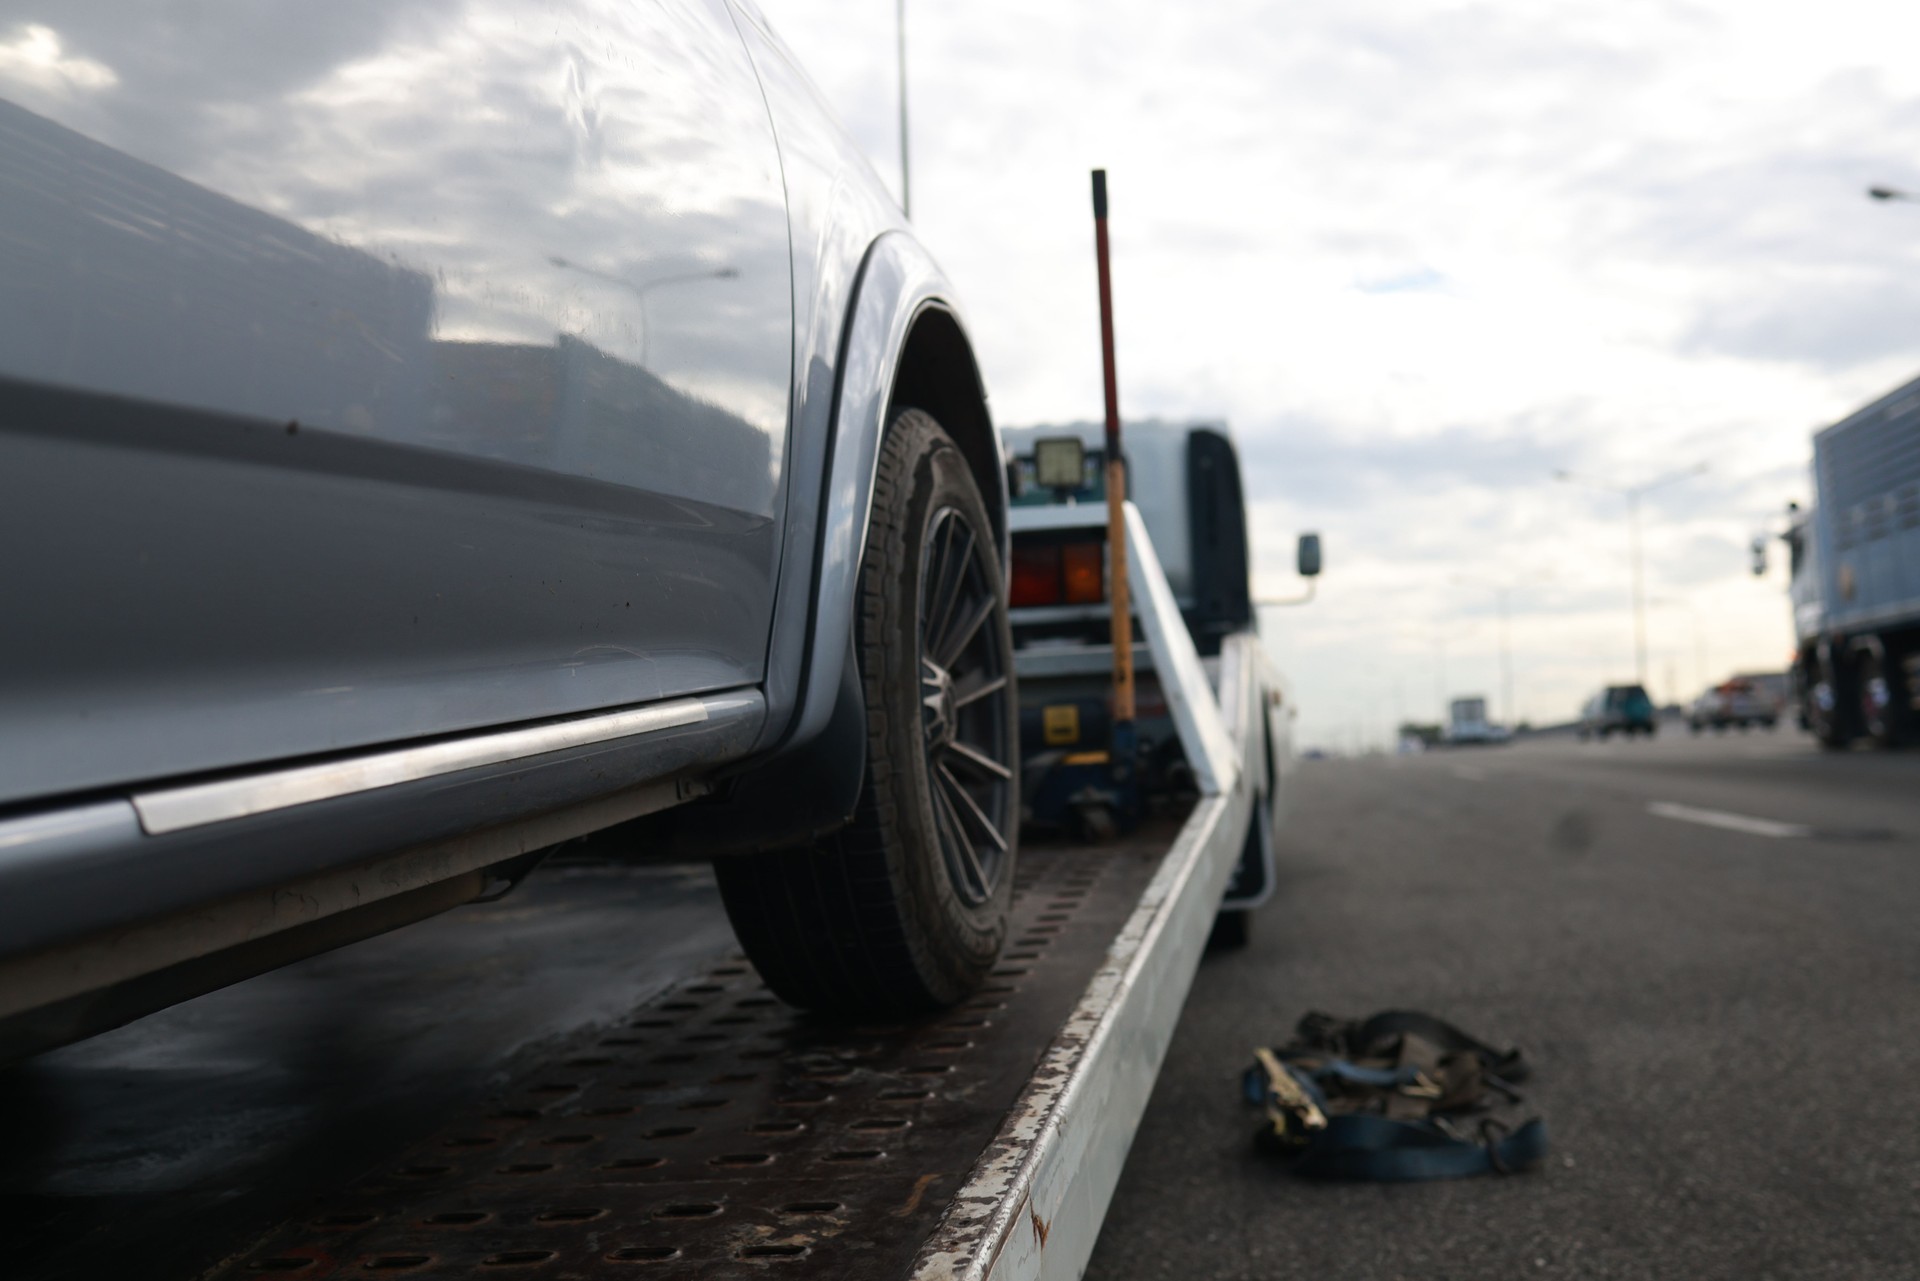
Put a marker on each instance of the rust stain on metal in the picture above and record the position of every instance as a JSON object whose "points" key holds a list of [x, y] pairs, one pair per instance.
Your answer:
{"points": [[1039, 1227], [920, 1186]]}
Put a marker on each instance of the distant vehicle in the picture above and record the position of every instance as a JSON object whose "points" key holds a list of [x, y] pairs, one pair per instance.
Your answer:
{"points": [[1855, 577], [1740, 702], [1617, 709], [1467, 723]]}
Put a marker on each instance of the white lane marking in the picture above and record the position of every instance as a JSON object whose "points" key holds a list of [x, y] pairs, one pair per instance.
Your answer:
{"points": [[1472, 773], [1731, 822]]}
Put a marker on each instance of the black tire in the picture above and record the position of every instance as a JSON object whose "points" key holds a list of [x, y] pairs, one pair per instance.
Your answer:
{"points": [[1880, 684], [1232, 930], [1833, 705], [906, 908]]}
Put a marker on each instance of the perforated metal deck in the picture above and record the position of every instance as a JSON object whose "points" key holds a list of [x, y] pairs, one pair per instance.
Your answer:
{"points": [[718, 1133]]}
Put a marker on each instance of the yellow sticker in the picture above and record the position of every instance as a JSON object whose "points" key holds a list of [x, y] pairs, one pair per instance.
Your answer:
{"points": [[1060, 724]]}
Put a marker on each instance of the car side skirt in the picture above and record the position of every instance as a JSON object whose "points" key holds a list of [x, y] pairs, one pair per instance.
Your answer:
{"points": [[90, 902]]}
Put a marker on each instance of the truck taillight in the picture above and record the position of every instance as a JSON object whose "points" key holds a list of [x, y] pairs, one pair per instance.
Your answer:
{"points": [[1083, 573], [1036, 576], [1058, 574]]}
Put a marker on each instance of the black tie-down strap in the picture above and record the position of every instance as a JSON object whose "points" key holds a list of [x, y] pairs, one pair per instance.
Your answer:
{"points": [[1397, 1097], [1375, 1037]]}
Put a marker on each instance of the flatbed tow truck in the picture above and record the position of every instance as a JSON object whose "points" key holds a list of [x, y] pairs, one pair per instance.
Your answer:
{"points": [[714, 1132]]}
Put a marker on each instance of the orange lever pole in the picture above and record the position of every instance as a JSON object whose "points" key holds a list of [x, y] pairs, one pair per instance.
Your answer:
{"points": [[1123, 706]]}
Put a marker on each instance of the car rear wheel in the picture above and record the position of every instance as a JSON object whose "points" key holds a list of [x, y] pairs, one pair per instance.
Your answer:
{"points": [[906, 908]]}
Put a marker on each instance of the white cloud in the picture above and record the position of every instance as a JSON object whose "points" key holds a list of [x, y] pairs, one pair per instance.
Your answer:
{"points": [[35, 55], [1420, 255]]}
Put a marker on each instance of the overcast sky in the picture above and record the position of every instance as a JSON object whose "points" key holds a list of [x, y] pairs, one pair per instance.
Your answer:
{"points": [[1420, 256]]}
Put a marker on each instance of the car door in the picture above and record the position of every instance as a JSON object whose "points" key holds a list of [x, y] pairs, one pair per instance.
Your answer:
{"points": [[377, 370]]}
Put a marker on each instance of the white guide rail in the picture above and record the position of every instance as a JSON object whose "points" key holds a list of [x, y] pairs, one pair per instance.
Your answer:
{"points": [[1032, 1207]]}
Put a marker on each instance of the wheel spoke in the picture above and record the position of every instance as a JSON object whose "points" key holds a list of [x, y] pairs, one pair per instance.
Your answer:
{"points": [[978, 691], [979, 759], [950, 647], [956, 829], [955, 603], [960, 794], [947, 572]]}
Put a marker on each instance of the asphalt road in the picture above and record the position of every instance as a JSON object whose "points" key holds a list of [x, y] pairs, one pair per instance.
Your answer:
{"points": [[1707, 947]]}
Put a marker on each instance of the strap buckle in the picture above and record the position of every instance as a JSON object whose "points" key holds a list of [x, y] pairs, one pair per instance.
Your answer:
{"points": [[1294, 1113], [1422, 1086]]}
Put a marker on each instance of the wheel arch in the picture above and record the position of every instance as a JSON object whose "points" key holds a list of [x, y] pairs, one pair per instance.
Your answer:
{"points": [[939, 373], [901, 344]]}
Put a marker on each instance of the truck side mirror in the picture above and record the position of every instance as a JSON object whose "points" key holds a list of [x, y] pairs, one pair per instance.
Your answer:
{"points": [[1759, 555], [1308, 559]]}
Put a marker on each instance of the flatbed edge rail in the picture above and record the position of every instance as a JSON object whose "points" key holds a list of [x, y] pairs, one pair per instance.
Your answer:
{"points": [[1033, 1204]]}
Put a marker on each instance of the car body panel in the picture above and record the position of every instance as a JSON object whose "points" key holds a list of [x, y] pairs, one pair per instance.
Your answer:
{"points": [[836, 209], [345, 411]]}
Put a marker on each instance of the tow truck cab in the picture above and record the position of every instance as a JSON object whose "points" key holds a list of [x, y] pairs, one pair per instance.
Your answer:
{"points": [[1184, 479]]}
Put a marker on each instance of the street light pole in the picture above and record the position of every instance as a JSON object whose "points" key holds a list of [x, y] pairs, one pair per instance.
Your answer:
{"points": [[1506, 664], [1639, 588], [900, 31], [1503, 613], [1633, 494], [1699, 637]]}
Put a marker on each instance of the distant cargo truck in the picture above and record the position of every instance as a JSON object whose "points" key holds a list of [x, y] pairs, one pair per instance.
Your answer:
{"points": [[1855, 577], [1467, 723]]}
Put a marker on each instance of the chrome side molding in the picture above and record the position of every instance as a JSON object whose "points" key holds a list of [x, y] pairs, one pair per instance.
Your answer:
{"points": [[174, 809]]}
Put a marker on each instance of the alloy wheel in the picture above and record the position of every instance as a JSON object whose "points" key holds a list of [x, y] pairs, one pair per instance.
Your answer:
{"points": [[966, 706]]}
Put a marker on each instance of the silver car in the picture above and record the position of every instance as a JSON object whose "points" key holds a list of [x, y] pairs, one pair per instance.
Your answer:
{"points": [[1739, 702], [435, 432]]}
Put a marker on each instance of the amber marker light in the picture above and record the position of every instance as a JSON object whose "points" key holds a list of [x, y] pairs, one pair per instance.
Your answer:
{"points": [[1083, 565]]}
